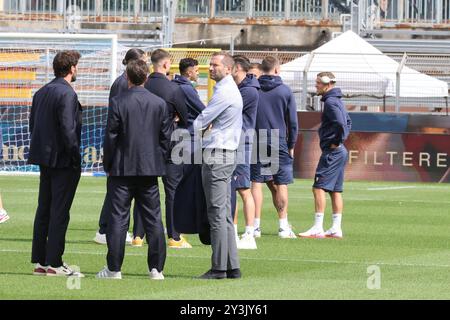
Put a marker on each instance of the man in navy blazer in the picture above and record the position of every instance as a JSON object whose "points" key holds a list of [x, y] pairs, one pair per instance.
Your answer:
{"points": [[158, 84], [55, 128], [135, 148], [119, 86]]}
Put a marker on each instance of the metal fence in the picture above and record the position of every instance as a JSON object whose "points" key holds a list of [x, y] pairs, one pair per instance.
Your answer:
{"points": [[370, 96], [194, 8], [143, 11], [112, 11], [379, 13], [151, 21], [435, 65], [89, 16], [374, 14], [276, 9]]}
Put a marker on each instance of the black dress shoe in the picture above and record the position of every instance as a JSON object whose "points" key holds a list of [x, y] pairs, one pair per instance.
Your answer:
{"points": [[234, 274], [214, 274]]}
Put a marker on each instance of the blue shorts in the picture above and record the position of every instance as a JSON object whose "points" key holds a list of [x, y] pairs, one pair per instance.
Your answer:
{"points": [[281, 174], [330, 170], [241, 177]]}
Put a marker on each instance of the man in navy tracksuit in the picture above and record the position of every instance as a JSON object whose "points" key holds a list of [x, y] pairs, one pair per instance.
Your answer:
{"points": [[120, 86], [158, 84], [188, 74], [329, 177], [248, 87], [277, 113], [189, 200]]}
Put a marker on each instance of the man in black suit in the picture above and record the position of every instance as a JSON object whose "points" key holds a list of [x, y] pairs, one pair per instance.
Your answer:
{"points": [[55, 128], [158, 84], [119, 86], [135, 148]]}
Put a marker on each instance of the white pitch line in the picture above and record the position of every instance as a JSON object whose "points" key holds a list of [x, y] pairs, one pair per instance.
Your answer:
{"points": [[362, 263], [351, 198], [392, 188]]}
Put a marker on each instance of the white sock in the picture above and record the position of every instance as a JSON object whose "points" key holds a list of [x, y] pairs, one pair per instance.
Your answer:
{"points": [[318, 220], [337, 218], [250, 230], [284, 224], [257, 223], [235, 230]]}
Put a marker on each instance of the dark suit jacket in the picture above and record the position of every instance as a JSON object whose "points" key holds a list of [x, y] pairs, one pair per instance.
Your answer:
{"points": [[119, 86], [137, 135], [158, 84], [55, 126]]}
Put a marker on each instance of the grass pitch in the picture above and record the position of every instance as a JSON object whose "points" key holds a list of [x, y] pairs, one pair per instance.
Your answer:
{"points": [[402, 229]]}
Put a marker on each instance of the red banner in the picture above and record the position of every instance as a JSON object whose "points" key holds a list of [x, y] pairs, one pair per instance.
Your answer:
{"points": [[410, 157]]}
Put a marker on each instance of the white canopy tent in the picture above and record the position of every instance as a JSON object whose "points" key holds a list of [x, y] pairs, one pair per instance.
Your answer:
{"points": [[360, 69]]}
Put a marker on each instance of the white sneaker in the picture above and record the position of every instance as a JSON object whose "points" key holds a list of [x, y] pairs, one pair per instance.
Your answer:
{"points": [[63, 271], [40, 270], [247, 242], [334, 233], [257, 233], [3, 216], [286, 234], [100, 238], [106, 274], [155, 275], [314, 232], [129, 238]]}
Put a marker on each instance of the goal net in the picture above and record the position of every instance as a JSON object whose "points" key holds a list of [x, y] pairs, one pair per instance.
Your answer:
{"points": [[26, 65]]}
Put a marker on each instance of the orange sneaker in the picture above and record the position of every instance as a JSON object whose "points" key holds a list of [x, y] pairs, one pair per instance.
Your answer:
{"points": [[137, 242], [180, 244]]}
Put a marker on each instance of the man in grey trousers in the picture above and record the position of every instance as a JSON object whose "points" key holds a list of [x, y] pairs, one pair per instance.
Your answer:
{"points": [[221, 123]]}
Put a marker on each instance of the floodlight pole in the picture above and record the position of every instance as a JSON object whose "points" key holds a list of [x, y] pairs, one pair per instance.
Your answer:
{"points": [[305, 79], [231, 45], [446, 106], [47, 65], [169, 12], [113, 62], [397, 87]]}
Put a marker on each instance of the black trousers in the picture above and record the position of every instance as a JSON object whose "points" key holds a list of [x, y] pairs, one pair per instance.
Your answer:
{"points": [[174, 174], [145, 192], [56, 192], [138, 227]]}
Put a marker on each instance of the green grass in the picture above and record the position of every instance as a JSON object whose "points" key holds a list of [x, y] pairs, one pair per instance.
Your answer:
{"points": [[404, 230]]}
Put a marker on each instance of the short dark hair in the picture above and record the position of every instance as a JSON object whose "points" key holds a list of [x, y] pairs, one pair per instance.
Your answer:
{"points": [[269, 63], [133, 54], [137, 71], [227, 58], [158, 55], [256, 65], [64, 61], [243, 61], [186, 63]]}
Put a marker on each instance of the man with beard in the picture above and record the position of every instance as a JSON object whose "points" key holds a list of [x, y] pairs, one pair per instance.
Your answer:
{"points": [[55, 128]]}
